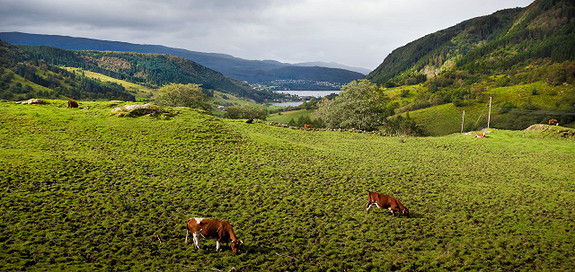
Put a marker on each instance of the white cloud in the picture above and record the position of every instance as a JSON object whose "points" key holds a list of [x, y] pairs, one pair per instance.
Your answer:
{"points": [[359, 33]]}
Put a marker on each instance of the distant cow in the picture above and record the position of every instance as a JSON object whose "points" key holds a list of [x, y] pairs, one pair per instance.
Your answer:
{"points": [[385, 201], [307, 126], [553, 122], [480, 135], [72, 104], [211, 228]]}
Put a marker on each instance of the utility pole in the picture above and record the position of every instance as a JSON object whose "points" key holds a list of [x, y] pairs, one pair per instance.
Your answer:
{"points": [[489, 117], [462, 121]]}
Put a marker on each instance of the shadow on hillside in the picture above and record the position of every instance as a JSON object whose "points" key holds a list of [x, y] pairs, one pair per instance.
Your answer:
{"points": [[246, 248], [387, 213]]}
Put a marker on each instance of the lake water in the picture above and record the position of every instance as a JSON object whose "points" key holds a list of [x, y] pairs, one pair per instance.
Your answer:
{"points": [[287, 104], [310, 93], [303, 94]]}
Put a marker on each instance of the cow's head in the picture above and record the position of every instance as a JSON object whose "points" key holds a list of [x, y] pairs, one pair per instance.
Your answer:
{"points": [[236, 245], [405, 212]]}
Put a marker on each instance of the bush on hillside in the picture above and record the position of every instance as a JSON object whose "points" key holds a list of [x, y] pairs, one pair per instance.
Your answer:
{"points": [[402, 126], [246, 112], [180, 95]]}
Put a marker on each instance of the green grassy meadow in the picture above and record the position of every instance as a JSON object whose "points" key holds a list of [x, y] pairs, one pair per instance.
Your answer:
{"points": [[83, 190]]}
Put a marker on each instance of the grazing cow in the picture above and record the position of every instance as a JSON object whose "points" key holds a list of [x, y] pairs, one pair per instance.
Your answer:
{"points": [[211, 228], [480, 135], [249, 121], [553, 122], [385, 201], [307, 126], [72, 104]]}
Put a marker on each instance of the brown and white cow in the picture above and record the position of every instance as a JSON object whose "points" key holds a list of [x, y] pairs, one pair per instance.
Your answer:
{"points": [[385, 201], [211, 228], [553, 122]]}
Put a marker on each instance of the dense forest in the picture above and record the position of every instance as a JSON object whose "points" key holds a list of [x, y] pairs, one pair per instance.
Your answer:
{"points": [[501, 43], [39, 63], [24, 76]]}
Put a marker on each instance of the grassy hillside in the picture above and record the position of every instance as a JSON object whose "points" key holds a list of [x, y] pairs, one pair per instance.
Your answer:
{"points": [[139, 91], [513, 107], [23, 76], [523, 57], [83, 190]]}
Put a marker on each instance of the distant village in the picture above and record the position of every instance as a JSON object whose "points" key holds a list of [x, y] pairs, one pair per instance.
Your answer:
{"points": [[300, 84]]}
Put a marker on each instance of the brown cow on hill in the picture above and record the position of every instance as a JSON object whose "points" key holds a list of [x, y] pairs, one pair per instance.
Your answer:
{"points": [[307, 126], [385, 201], [211, 228], [553, 122], [72, 104]]}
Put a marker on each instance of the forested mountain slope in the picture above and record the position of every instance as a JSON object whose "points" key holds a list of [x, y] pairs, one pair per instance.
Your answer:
{"points": [[523, 58], [153, 70], [266, 72], [499, 43], [24, 76]]}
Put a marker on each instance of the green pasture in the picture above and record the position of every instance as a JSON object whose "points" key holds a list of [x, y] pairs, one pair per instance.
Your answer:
{"points": [[83, 190]]}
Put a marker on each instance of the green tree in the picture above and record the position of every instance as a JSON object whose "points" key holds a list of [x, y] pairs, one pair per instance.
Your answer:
{"points": [[400, 125], [246, 112], [360, 105], [180, 95]]}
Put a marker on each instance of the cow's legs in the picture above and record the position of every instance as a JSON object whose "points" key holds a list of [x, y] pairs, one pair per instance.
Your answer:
{"points": [[196, 236], [217, 245], [371, 204]]}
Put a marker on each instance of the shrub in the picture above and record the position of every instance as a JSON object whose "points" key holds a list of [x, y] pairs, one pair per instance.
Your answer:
{"points": [[180, 95], [402, 126], [404, 93], [458, 102], [246, 112]]}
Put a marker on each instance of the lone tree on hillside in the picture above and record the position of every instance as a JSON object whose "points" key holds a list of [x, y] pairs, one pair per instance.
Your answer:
{"points": [[360, 105], [180, 95]]}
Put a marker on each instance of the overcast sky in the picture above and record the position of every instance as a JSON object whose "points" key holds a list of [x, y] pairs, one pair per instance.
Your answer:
{"points": [[352, 32]]}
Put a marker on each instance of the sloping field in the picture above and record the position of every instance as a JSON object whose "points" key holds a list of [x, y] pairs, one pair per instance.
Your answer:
{"points": [[83, 190]]}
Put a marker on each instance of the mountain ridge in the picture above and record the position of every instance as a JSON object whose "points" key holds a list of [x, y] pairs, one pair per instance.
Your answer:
{"points": [[148, 69], [238, 68], [542, 30]]}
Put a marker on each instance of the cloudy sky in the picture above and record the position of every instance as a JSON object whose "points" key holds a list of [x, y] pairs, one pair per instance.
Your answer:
{"points": [[358, 33]]}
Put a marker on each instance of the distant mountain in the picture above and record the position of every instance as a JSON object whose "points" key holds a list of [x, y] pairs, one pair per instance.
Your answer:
{"points": [[152, 70], [253, 71], [334, 65], [493, 44]]}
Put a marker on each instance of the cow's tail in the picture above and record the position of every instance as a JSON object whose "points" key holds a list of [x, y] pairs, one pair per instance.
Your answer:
{"points": [[187, 232]]}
